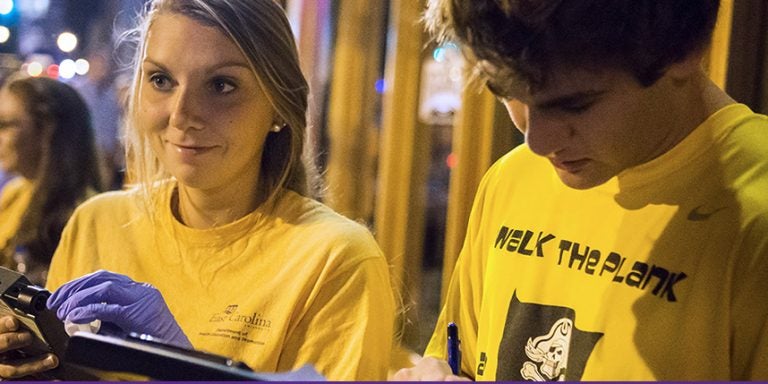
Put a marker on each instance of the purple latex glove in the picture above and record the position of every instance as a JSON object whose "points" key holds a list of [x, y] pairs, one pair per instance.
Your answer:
{"points": [[117, 300]]}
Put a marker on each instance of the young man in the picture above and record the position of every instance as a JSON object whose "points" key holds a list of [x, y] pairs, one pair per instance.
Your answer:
{"points": [[628, 238]]}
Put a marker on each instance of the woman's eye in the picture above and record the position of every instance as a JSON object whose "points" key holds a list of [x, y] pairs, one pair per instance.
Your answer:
{"points": [[223, 86], [160, 81]]}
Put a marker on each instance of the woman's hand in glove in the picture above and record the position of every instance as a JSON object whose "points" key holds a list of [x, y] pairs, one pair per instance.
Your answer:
{"points": [[118, 302]]}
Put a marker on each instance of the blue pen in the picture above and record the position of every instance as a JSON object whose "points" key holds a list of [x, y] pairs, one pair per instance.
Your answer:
{"points": [[454, 352]]}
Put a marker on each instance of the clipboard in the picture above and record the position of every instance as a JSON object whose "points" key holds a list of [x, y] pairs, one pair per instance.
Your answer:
{"points": [[141, 355]]}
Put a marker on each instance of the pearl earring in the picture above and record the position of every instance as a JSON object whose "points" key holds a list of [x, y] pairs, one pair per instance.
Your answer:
{"points": [[277, 127]]}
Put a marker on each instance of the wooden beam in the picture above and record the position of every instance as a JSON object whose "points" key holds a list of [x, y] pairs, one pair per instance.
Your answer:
{"points": [[717, 60], [404, 155], [352, 114], [483, 132]]}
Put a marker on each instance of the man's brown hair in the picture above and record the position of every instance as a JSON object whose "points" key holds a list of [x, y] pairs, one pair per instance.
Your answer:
{"points": [[526, 38]]}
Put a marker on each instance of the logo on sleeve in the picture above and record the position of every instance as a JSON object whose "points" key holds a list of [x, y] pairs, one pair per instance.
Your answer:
{"points": [[541, 343], [481, 364]]}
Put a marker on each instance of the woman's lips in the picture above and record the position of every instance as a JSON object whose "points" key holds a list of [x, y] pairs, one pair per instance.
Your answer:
{"points": [[188, 151]]}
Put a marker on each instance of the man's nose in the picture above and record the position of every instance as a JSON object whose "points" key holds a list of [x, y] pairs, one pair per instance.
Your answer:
{"points": [[546, 134]]}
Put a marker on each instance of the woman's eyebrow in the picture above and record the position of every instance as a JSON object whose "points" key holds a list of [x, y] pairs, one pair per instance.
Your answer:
{"points": [[217, 66]]}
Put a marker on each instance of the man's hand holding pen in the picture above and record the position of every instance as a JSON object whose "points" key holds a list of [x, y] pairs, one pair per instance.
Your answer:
{"points": [[428, 369], [433, 369]]}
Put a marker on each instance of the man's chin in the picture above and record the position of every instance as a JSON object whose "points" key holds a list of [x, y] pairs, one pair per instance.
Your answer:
{"points": [[581, 180]]}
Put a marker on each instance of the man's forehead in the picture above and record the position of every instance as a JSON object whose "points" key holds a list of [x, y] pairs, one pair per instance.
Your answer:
{"points": [[558, 81]]}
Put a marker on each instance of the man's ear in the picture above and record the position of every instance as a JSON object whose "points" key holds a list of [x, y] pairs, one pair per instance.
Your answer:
{"points": [[518, 113], [688, 66]]}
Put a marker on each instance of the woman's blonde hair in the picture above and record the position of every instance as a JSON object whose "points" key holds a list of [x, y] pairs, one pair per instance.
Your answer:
{"points": [[260, 29]]}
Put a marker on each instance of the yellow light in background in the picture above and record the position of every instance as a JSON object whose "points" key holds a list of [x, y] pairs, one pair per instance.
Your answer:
{"points": [[5, 34], [34, 69], [67, 42]]}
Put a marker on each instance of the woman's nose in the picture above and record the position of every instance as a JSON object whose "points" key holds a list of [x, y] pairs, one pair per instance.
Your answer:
{"points": [[186, 110]]}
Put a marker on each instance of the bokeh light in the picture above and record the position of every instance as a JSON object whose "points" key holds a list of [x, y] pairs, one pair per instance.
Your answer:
{"points": [[381, 86], [82, 66], [5, 34], [52, 71], [34, 69], [451, 160], [67, 69], [67, 42], [6, 6]]}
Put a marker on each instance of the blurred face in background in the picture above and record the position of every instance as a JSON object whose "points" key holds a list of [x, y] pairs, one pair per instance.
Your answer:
{"points": [[20, 138]]}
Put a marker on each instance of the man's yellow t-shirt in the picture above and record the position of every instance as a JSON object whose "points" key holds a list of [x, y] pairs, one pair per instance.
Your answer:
{"points": [[659, 274]]}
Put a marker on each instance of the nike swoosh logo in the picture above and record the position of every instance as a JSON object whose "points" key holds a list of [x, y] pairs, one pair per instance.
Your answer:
{"points": [[697, 214]]}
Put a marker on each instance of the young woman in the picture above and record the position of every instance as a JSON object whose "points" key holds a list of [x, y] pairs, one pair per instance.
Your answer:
{"points": [[223, 225], [46, 139]]}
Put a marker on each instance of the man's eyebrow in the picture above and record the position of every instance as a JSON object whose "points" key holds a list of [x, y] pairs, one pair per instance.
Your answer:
{"points": [[569, 99]]}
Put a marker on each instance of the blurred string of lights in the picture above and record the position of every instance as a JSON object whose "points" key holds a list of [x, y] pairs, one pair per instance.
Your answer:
{"points": [[38, 64]]}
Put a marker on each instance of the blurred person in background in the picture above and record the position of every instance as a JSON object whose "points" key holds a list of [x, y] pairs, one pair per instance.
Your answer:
{"points": [[233, 253], [5, 176], [99, 88], [45, 139]]}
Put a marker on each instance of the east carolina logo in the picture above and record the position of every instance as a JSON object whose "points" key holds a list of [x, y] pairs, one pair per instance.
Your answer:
{"points": [[251, 320], [245, 327], [541, 343], [549, 354]]}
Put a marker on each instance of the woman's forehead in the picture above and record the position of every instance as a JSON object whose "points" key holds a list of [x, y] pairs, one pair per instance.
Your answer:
{"points": [[173, 38]]}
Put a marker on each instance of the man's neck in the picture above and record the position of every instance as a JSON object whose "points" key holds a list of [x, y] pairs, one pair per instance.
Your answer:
{"points": [[699, 100]]}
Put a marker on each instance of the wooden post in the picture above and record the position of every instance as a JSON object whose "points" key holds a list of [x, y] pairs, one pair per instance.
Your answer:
{"points": [[352, 114], [404, 155], [716, 61]]}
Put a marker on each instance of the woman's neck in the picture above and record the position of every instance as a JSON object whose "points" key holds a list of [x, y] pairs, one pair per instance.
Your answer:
{"points": [[202, 209]]}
